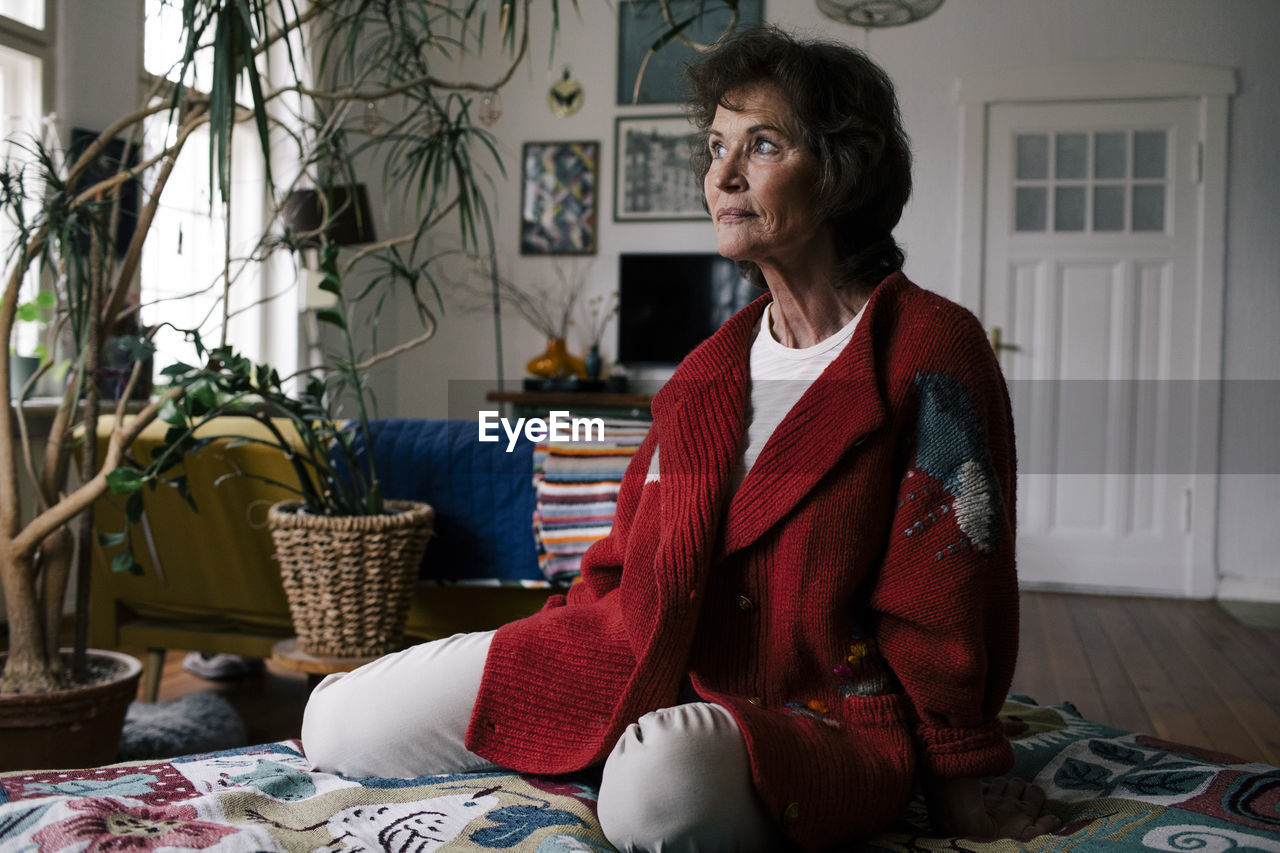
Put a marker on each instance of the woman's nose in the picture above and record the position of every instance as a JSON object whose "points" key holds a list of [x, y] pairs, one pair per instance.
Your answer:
{"points": [[728, 174]]}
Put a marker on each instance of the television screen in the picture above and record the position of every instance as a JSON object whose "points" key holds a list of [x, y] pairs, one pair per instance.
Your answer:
{"points": [[668, 304]]}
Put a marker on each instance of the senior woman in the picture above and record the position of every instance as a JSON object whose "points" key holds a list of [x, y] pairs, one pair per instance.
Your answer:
{"points": [[808, 596]]}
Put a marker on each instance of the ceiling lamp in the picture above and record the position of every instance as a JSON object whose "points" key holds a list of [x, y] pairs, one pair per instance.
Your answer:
{"points": [[878, 13]]}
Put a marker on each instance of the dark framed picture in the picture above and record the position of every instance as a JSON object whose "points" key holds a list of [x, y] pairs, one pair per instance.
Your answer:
{"points": [[641, 25], [653, 181], [558, 207], [116, 156]]}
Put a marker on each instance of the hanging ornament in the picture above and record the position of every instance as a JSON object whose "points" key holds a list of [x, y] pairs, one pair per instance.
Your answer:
{"points": [[566, 96], [490, 108], [878, 13], [370, 118]]}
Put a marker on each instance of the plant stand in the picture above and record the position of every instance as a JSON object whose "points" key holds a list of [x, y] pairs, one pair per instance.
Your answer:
{"points": [[287, 655]]}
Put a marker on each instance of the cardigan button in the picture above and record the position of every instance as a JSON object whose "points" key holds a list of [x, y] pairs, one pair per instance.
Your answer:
{"points": [[792, 814], [744, 604]]}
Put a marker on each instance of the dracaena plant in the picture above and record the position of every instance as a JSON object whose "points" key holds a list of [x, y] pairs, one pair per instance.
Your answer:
{"points": [[355, 52]]}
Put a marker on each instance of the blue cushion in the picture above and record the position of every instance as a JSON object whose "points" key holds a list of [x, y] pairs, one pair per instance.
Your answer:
{"points": [[483, 496]]}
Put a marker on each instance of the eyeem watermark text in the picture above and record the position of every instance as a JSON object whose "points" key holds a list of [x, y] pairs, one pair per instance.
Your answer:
{"points": [[557, 427]]}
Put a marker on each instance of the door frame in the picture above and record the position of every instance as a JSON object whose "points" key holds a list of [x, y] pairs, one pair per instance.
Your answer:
{"points": [[1113, 80]]}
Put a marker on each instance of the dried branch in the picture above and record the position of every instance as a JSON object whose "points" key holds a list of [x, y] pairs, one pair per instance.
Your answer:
{"points": [[370, 249], [428, 317]]}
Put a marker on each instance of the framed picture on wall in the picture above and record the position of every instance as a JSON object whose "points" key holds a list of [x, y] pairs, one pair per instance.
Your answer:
{"points": [[652, 177], [558, 204], [641, 25]]}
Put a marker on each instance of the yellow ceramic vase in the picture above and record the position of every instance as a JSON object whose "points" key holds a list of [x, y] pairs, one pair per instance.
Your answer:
{"points": [[556, 362]]}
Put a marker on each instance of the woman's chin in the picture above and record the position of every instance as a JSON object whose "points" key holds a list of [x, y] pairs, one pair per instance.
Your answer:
{"points": [[735, 250]]}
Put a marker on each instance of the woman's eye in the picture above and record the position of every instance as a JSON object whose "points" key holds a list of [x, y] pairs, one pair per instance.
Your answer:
{"points": [[717, 150], [764, 146]]}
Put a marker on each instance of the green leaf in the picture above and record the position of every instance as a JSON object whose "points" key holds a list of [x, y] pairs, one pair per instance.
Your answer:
{"points": [[111, 540], [174, 436], [124, 562], [133, 508], [1118, 753], [124, 481], [332, 316], [1163, 784], [329, 258], [331, 284], [136, 347], [178, 369], [1076, 775], [172, 414], [204, 392]]}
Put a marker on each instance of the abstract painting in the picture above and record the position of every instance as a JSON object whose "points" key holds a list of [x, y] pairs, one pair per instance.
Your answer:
{"points": [[558, 209]]}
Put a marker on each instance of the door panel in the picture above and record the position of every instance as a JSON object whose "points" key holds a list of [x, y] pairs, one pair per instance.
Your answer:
{"points": [[1090, 272]]}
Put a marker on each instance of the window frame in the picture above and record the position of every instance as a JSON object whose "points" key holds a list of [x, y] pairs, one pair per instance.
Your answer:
{"points": [[38, 43]]}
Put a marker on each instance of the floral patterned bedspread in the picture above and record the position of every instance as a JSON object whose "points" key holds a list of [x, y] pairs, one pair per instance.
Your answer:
{"points": [[1114, 790], [1119, 791]]}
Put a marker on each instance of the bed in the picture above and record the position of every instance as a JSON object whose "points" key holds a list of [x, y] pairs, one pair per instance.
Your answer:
{"points": [[1114, 790]]}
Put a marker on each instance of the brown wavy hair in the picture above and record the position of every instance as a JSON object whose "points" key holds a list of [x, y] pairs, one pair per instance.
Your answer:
{"points": [[847, 113]]}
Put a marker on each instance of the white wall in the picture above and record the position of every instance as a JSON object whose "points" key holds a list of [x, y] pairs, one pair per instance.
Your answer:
{"points": [[98, 48], [964, 38]]}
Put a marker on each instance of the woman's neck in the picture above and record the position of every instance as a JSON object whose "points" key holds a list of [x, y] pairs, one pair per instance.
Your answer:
{"points": [[809, 314]]}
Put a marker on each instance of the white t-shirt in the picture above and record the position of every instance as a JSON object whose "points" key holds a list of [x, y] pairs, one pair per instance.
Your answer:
{"points": [[779, 376]]}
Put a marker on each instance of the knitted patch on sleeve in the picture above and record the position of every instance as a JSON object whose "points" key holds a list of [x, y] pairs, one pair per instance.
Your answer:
{"points": [[951, 447]]}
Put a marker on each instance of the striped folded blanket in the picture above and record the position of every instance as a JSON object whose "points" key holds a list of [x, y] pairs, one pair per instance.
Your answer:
{"points": [[577, 486]]}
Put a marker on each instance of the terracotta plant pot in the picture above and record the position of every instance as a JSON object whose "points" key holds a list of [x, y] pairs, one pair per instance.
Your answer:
{"points": [[349, 579], [76, 727]]}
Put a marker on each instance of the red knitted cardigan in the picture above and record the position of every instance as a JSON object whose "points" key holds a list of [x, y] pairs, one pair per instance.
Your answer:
{"points": [[854, 605]]}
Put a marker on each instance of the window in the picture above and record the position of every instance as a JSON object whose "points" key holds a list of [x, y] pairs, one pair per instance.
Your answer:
{"points": [[183, 257], [1080, 181], [23, 49], [27, 12]]}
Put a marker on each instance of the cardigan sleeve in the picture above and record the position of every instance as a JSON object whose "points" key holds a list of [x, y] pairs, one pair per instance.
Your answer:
{"points": [[947, 596]]}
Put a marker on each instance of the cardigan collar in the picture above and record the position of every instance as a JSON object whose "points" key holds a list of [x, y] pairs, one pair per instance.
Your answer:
{"points": [[700, 415]]}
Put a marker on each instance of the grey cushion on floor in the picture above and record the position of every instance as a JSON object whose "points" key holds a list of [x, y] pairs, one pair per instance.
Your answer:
{"points": [[198, 722]]}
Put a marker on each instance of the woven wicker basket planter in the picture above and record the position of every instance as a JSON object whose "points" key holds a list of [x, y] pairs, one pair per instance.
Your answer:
{"points": [[349, 579]]}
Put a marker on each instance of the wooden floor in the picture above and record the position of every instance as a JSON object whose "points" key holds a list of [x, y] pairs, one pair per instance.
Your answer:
{"points": [[270, 703], [1180, 670]]}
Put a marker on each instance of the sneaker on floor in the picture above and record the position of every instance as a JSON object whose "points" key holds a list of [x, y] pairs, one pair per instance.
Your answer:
{"points": [[219, 666]]}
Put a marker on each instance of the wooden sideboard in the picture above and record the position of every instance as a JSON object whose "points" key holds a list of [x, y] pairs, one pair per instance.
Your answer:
{"points": [[587, 404]]}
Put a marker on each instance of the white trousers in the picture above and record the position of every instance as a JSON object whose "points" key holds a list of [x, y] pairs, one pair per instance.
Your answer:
{"points": [[678, 779]]}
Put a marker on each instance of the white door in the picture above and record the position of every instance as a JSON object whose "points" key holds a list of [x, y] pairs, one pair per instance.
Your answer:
{"points": [[1090, 266]]}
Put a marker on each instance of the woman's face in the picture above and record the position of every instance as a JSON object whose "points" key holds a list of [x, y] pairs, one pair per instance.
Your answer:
{"points": [[762, 184]]}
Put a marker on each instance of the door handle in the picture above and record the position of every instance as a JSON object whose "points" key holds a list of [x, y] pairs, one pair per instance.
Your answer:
{"points": [[998, 343]]}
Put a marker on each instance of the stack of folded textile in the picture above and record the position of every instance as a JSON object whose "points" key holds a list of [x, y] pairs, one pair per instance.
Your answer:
{"points": [[577, 485]]}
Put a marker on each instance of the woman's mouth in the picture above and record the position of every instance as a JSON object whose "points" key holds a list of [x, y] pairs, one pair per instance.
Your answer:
{"points": [[733, 214]]}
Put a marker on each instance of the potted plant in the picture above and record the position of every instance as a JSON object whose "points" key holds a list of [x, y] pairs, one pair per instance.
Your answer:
{"points": [[358, 52], [348, 557]]}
